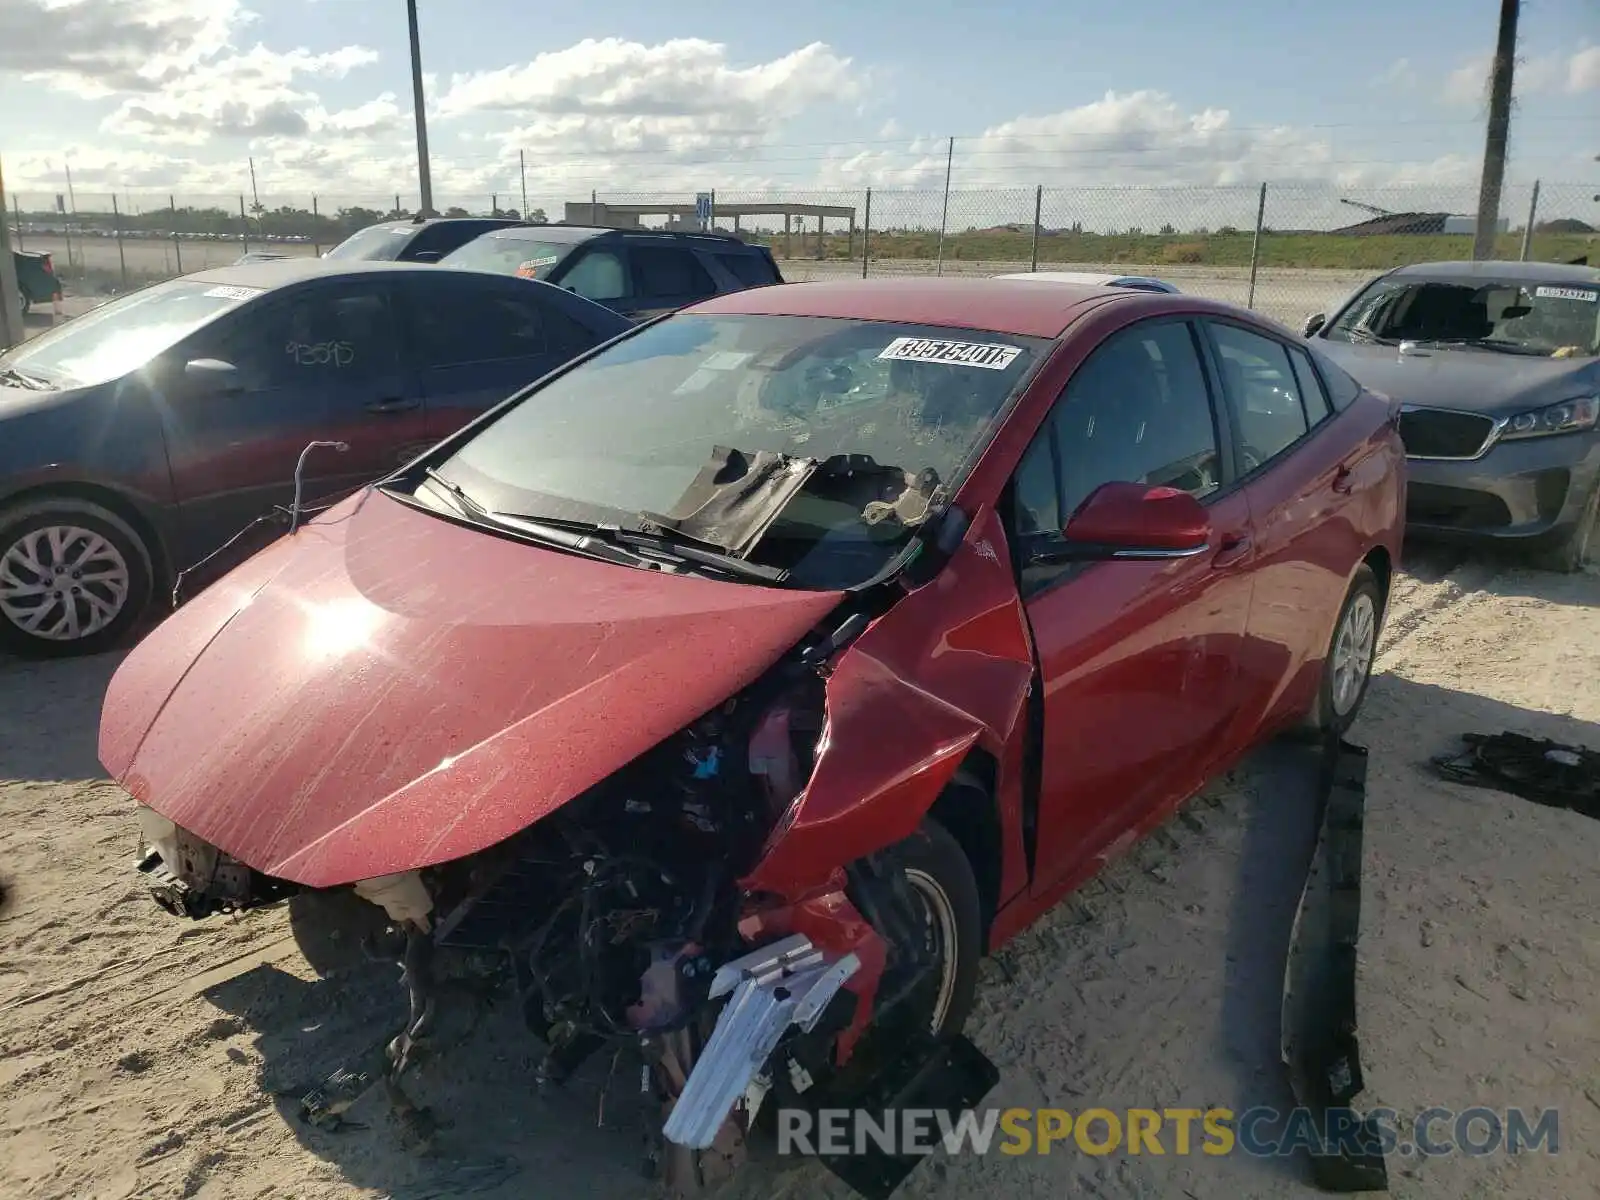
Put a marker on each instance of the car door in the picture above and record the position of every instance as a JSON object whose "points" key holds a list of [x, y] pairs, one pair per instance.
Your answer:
{"points": [[316, 362], [476, 339], [1300, 473], [1137, 659], [667, 276]]}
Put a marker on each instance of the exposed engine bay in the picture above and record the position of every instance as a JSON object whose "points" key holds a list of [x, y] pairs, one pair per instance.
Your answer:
{"points": [[618, 922]]}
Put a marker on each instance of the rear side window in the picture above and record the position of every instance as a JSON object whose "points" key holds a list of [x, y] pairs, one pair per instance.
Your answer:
{"points": [[1260, 381], [669, 271], [462, 325], [752, 270]]}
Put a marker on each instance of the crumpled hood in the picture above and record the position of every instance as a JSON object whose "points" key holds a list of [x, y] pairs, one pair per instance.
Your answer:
{"points": [[1469, 380], [386, 690]]}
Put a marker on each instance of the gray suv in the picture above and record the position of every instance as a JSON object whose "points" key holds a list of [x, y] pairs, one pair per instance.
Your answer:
{"points": [[638, 273]]}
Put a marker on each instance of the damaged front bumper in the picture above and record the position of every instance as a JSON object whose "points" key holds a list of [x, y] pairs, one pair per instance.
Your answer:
{"points": [[191, 878], [790, 982]]}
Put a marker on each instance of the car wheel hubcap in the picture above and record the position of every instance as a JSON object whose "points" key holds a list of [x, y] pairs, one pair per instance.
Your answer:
{"points": [[62, 583], [1352, 653], [941, 932]]}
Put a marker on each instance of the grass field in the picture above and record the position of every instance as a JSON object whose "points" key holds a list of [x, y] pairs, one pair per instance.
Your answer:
{"points": [[1322, 251]]}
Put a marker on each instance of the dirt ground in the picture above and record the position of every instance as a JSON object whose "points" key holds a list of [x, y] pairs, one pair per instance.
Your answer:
{"points": [[144, 1057]]}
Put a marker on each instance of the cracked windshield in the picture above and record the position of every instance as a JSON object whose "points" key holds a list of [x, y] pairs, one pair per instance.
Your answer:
{"points": [[1507, 316], [812, 445]]}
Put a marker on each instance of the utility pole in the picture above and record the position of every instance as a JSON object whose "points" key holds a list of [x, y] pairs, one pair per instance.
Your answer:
{"points": [[424, 175], [944, 215], [522, 168], [11, 332], [1499, 131]]}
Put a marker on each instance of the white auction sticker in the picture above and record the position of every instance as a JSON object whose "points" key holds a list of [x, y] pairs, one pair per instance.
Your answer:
{"points": [[992, 356], [1563, 293], [232, 293]]}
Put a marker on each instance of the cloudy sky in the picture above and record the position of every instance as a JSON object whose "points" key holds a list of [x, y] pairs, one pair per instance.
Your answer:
{"points": [[146, 97]]}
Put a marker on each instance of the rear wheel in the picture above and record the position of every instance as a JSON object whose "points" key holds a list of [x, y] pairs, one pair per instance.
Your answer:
{"points": [[74, 577], [1347, 667]]}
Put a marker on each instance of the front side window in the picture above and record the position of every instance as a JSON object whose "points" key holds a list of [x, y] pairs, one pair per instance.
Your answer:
{"points": [[328, 335], [1136, 411], [1509, 316], [599, 275], [121, 336], [1260, 380], [875, 423]]}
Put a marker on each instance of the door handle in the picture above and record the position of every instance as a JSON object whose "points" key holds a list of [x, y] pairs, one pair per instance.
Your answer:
{"points": [[393, 405], [1341, 480], [1233, 547]]}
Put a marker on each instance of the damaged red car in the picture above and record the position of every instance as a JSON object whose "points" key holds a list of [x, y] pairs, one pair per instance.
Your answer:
{"points": [[739, 685]]}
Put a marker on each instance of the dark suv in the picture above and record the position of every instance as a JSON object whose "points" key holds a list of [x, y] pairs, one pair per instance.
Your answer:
{"points": [[638, 273], [420, 239]]}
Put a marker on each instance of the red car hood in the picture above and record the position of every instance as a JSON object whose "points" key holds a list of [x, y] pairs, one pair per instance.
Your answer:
{"points": [[386, 690]]}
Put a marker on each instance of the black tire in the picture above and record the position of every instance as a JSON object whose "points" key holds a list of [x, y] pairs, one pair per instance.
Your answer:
{"points": [[124, 549], [1329, 717], [1572, 551], [939, 871]]}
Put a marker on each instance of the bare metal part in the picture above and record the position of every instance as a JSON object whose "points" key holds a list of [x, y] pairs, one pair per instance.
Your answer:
{"points": [[789, 982]]}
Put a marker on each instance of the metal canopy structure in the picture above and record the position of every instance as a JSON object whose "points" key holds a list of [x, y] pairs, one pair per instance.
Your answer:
{"points": [[630, 216]]}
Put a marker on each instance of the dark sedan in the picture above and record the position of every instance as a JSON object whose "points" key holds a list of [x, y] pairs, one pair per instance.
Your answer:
{"points": [[1497, 365], [141, 436]]}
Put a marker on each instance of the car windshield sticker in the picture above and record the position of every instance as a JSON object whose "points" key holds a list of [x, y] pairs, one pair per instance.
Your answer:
{"points": [[992, 356], [726, 360], [534, 265], [231, 293], [1564, 293]]}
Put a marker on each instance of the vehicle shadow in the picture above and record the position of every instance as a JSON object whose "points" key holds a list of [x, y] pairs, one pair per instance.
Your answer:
{"points": [[496, 1134], [50, 716]]}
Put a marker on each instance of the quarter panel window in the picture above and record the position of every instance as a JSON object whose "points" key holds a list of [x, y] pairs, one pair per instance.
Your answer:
{"points": [[1311, 393]]}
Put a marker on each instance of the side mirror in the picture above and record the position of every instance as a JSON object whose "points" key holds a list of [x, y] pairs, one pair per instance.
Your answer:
{"points": [[1313, 323], [1134, 521], [426, 256], [214, 375]]}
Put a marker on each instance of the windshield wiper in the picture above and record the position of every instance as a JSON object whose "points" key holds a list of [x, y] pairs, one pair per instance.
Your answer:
{"points": [[576, 534], [456, 491], [15, 377]]}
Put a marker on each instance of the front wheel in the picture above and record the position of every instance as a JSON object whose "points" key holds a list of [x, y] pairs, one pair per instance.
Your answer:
{"points": [[74, 577], [946, 925], [1347, 667], [1572, 551]]}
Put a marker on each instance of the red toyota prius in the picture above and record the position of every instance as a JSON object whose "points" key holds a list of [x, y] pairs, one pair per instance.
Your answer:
{"points": [[743, 682]]}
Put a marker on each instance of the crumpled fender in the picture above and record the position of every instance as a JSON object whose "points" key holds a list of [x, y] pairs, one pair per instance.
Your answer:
{"points": [[947, 670]]}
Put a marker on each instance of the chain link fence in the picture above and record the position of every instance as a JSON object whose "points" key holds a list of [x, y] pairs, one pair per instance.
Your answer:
{"points": [[1285, 250]]}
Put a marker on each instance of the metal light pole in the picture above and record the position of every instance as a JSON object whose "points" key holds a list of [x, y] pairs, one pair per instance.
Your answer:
{"points": [[424, 176]]}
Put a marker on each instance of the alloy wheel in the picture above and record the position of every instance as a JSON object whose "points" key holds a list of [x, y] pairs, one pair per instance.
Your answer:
{"points": [[60, 583], [1353, 651]]}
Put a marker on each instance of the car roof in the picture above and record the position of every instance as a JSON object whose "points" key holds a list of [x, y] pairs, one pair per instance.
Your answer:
{"points": [[1537, 272], [277, 272], [1149, 282], [583, 233], [996, 305]]}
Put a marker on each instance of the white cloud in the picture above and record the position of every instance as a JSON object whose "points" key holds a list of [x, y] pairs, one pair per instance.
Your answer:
{"points": [[1583, 70], [1468, 84], [254, 93], [96, 48]]}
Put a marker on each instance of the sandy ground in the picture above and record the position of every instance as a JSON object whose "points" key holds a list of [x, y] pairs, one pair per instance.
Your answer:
{"points": [[140, 1056], [1285, 294]]}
